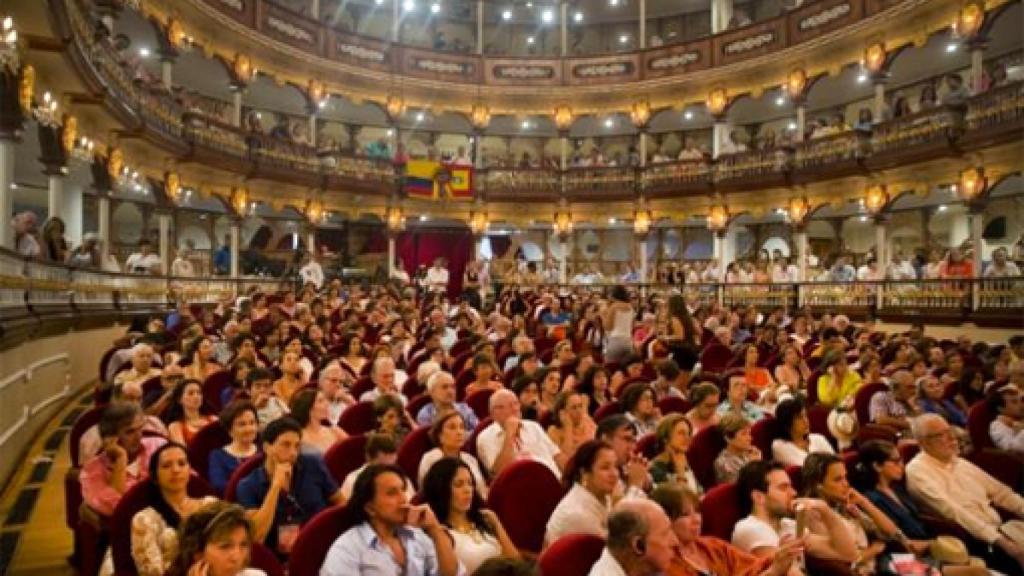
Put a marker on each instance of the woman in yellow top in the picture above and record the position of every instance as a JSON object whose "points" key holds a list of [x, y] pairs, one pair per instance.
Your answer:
{"points": [[838, 384]]}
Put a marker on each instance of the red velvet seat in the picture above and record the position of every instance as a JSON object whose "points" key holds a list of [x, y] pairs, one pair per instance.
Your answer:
{"points": [[674, 404], [648, 446], [345, 457], [213, 386], [763, 432], [571, 555], [704, 448], [862, 401], [136, 499], [315, 539], [606, 410], [242, 471], [721, 507], [524, 523], [416, 444], [817, 415], [479, 401], [412, 387], [978, 419], [358, 418], [87, 420], [416, 404], [363, 385], [208, 439], [262, 558], [151, 386], [715, 357], [470, 445]]}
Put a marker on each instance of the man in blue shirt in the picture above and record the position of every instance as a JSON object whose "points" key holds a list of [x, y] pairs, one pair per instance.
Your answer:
{"points": [[555, 318], [222, 257], [288, 490], [441, 387], [390, 537]]}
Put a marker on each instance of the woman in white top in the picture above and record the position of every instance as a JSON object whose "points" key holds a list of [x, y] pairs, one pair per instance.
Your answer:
{"points": [[476, 532], [617, 320], [593, 476], [794, 440], [448, 433]]}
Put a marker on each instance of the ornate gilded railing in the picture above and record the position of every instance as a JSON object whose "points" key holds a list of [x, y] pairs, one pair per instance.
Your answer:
{"points": [[680, 173], [586, 181], [1004, 104], [751, 164], [935, 125], [823, 152], [512, 181]]}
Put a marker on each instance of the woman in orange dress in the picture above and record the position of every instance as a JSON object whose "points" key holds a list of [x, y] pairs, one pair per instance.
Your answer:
{"points": [[758, 379]]}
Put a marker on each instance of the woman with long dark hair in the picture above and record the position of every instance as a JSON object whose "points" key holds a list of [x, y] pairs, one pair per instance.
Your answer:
{"points": [[590, 479], [594, 386], [477, 533], [682, 337], [617, 322], [184, 416]]}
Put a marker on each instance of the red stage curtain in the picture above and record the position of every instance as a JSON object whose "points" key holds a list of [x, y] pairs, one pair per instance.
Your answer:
{"points": [[422, 246]]}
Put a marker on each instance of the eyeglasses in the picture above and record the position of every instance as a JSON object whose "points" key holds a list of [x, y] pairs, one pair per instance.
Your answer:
{"points": [[946, 434]]}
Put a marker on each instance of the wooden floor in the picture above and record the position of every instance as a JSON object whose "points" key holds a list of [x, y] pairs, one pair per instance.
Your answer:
{"points": [[44, 541]]}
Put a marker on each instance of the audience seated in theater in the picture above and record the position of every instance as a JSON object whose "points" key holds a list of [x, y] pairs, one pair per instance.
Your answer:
{"points": [[441, 387], [670, 465], [792, 373], [379, 449], [569, 417], [549, 383], [736, 401], [704, 397], [199, 353], [288, 489], [241, 422], [671, 381], [388, 530], [591, 478], [640, 541], [383, 375], [184, 416], [1007, 429], [91, 442], [122, 460], [477, 533], [483, 369], [509, 438], [619, 433], [334, 383], [702, 555], [639, 407], [931, 399], [311, 410], [141, 368], [269, 406], [448, 435], [594, 385], [768, 499], [793, 437], [739, 448], [837, 384], [527, 390], [291, 379], [156, 400], [391, 418], [898, 405], [963, 493], [215, 541]]}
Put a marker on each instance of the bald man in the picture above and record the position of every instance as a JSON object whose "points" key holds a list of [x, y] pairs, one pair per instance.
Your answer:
{"points": [[509, 438], [640, 541]]}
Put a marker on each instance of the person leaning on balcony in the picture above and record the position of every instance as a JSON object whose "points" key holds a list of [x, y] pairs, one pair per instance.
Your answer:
{"points": [[1001, 266], [957, 92], [955, 265]]}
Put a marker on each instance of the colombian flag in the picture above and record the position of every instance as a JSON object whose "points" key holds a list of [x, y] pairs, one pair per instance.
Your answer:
{"points": [[421, 178]]}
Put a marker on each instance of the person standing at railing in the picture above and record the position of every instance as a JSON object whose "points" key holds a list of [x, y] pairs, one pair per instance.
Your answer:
{"points": [[842, 271], [1001, 266], [436, 280], [312, 272], [222, 257], [86, 255], [182, 266], [144, 261], [25, 242], [956, 266], [957, 92], [900, 268]]}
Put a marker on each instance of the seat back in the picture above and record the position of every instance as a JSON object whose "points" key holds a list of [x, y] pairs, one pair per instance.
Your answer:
{"points": [[724, 501], [345, 457], [523, 523], [763, 432], [606, 410], [242, 471], [647, 445], [715, 357], [470, 445], [704, 448], [363, 385], [87, 420], [817, 415], [674, 404], [416, 444], [213, 386], [479, 402], [571, 555], [978, 419], [315, 539], [137, 498], [208, 439], [262, 558], [358, 418], [416, 404], [862, 401]]}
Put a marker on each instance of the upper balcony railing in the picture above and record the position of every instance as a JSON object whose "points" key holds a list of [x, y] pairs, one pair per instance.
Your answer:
{"points": [[993, 117], [296, 31]]}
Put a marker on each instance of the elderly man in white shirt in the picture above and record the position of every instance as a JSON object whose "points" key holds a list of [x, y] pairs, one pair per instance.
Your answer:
{"points": [[144, 261], [437, 277], [963, 493], [640, 541], [900, 268], [312, 272], [1007, 430], [509, 438]]}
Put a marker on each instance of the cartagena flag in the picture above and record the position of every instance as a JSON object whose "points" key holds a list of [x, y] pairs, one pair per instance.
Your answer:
{"points": [[460, 183], [421, 178]]}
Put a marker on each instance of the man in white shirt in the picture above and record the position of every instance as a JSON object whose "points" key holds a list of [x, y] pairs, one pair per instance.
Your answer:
{"points": [[312, 272], [400, 274], [963, 493], [713, 272], [25, 241], [767, 496], [383, 376], [511, 438], [333, 383], [900, 268], [437, 277], [1001, 266], [144, 261], [380, 449], [1007, 430], [640, 541], [869, 271]]}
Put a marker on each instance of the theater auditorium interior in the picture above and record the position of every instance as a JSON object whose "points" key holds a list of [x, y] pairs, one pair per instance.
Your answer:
{"points": [[511, 287]]}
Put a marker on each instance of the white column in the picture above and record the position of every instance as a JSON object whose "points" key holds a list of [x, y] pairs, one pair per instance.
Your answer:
{"points": [[71, 213], [881, 246], [800, 239], [234, 233], [564, 151], [167, 73], [312, 129], [977, 225], [879, 104], [164, 223], [718, 249], [104, 225], [311, 240], [728, 246], [391, 255], [977, 68], [642, 148], [314, 9], [236, 110], [396, 21], [55, 196], [480, 27], [721, 13], [6, 196], [563, 263], [643, 259], [643, 25], [720, 132], [564, 28], [801, 122], [959, 228]]}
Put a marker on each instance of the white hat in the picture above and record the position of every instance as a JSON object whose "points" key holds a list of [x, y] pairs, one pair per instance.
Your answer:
{"points": [[843, 425]]}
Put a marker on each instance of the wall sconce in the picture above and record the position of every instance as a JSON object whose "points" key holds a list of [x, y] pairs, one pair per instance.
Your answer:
{"points": [[717, 101], [875, 199], [642, 222], [969, 20], [874, 58], [795, 84], [9, 56], [972, 184], [172, 186], [316, 91], [240, 200], [480, 116], [563, 224], [640, 113], [176, 36], [718, 218], [563, 117], [27, 88], [69, 133], [115, 163], [797, 210], [478, 223], [394, 106], [394, 219], [314, 210], [243, 69]]}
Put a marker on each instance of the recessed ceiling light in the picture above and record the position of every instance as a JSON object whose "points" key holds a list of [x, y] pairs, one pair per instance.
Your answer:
{"points": [[409, 5], [379, 2], [526, 124], [529, 40], [547, 15], [780, 101], [608, 123], [435, 8], [862, 78], [623, 39], [390, 132], [612, 221], [942, 208], [791, 126], [420, 116], [529, 4], [578, 16], [613, 2], [424, 217], [506, 14], [951, 47], [144, 52], [688, 115]]}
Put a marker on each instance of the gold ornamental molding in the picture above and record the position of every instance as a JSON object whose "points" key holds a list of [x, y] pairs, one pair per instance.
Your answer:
{"points": [[895, 27]]}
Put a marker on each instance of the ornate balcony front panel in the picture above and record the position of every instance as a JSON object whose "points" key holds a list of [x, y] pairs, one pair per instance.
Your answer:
{"points": [[995, 117], [518, 184], [765, 167], [583, 184], [924, 135], [677, 178], [837, 154]]}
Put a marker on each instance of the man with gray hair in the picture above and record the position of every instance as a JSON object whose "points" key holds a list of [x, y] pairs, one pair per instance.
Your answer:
{"points": [[332, 384], [441, 388], [520, 345], [141, 369], [895, 406], [640, 541], [223, 350], [383, 376], [963, 493], [91, 442], [25, 243]]}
